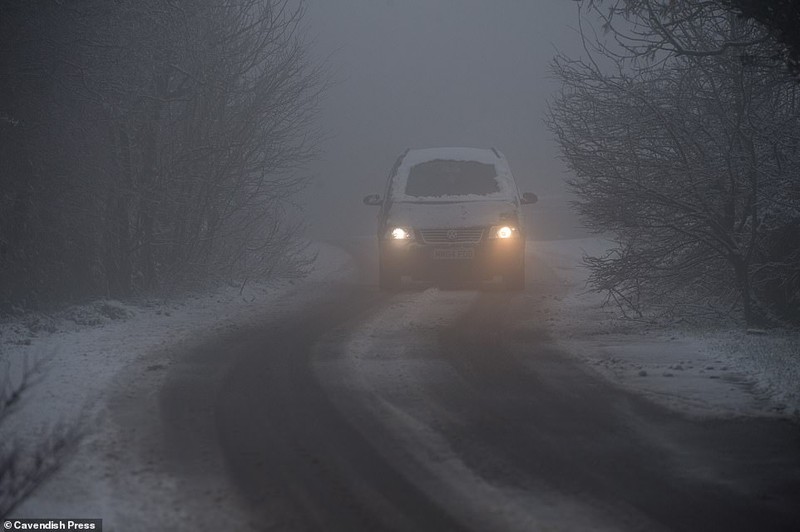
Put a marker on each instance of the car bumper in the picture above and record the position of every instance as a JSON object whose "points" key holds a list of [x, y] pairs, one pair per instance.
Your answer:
{"points": [[425, 261]]}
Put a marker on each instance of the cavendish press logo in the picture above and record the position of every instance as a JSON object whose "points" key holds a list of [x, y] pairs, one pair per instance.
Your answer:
{"points": [[94, 525]]}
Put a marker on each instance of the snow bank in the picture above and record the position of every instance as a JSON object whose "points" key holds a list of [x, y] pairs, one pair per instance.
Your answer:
{"points": [[79, 350], [770, 360], [715, 371]]}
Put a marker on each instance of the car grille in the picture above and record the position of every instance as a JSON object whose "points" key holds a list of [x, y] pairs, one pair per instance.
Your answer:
{"points": [[452, 236]]}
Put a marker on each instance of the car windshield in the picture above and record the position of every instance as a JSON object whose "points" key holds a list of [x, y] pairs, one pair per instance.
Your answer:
{"points": [[451, 178]]}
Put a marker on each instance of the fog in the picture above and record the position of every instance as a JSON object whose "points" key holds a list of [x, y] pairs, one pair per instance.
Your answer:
{"points": [[175, 355], [424, 73]]}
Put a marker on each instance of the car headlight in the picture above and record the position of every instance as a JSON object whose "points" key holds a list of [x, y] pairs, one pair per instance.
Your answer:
{"points": [[503, 231], [401, 233]]}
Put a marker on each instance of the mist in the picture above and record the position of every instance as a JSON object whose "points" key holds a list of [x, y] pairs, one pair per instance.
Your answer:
{"points": [[215, 315], [435, 73]]}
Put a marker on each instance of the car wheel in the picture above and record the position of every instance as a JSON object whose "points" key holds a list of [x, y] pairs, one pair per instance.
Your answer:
{"points": [[514, 280], [388, 277]]}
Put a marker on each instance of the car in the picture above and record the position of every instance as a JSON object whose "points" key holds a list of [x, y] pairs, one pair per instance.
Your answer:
{"points": [[451, 213]]}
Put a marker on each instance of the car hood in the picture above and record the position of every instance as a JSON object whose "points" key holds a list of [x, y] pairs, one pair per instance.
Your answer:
{"points": [[424, 215]]}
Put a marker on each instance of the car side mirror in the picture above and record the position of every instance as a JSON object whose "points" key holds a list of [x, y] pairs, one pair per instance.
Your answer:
{"points": [[528, 198], [373, 199]]}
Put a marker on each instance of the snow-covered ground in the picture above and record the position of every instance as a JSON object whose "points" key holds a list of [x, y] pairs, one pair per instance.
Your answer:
{"points": [[711, 372], [81, 350], [703, 371]]}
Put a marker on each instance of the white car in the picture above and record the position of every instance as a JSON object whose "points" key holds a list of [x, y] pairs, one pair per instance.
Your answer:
{"points": [[448, 212]]}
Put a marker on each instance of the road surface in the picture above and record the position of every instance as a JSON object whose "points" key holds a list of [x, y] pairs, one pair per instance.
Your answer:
{"points": [[453, 409]]}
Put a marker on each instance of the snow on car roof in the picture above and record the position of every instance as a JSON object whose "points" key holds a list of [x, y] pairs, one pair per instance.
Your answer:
{"points": [[507, 189]]}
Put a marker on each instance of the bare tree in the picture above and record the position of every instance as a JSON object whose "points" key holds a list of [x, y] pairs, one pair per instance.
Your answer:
{"points": [[781, 18], [687, 158], [149, 144], [662, 28], [24, 468]]}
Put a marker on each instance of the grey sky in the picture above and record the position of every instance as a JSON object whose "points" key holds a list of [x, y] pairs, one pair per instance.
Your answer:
{"points": [[417, 73]]}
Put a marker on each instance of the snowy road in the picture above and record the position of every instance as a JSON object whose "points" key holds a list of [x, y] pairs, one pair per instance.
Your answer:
{"points": [[328, 405], [438, 410]]}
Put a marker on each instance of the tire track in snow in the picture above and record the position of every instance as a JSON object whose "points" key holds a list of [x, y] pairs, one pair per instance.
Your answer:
{"points": [[388, 379]]}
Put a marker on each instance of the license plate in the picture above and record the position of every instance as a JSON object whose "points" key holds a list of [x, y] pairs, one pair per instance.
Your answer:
{"points": [[454, 253]]}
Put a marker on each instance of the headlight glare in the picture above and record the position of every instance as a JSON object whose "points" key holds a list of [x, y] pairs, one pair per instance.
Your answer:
{"points": [[503, 231], [401, 233]]}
